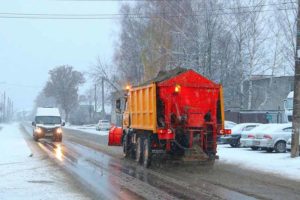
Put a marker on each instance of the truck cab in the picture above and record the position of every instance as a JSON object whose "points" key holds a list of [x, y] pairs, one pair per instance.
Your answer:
{"points": [[47, 124]]}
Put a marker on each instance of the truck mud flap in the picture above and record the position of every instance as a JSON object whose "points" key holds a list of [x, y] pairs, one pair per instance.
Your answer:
{"points": [[115, 136]]}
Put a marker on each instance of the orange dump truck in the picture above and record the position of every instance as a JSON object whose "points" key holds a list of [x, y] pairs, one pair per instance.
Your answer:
{"points": [[179, 114]]}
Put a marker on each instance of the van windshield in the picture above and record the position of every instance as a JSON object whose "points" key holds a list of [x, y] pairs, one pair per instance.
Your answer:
{"points": [[48, 120]]}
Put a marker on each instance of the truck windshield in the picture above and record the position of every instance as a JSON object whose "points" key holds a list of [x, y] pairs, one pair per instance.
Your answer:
{"points": [[48, 120], [289, 103]]}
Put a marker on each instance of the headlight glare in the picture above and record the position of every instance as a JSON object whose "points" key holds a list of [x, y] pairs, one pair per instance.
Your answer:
{"points": [[59, 130]]}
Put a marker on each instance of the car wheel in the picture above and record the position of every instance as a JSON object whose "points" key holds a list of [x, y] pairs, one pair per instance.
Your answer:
{"points": [[254, 148], [280, 147], [232, 145], [238, 143], [269, 150]]}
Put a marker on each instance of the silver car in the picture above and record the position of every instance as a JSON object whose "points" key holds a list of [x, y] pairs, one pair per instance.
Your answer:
{"points": [[247, 137], [274, 138], [103, 125], [289, 144]]}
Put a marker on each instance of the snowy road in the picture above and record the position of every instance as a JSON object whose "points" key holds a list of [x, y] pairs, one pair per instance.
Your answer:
{"points": [[27, 172], [103, 171]]}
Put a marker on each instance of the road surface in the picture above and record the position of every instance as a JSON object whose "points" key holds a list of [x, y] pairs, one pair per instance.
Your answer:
{"points": [[107, 175]]}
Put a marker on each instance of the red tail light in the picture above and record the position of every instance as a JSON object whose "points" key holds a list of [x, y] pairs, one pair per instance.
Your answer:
{"points": [[267, 136], [225, 132], [251, 136]]}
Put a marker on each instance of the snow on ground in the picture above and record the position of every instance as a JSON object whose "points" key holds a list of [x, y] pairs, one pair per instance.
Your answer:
{"points": [[27, 176], [275, 163], [87, 129]]}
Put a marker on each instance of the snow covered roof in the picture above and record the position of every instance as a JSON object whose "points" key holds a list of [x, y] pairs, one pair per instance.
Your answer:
{"points": [[47, 112]]}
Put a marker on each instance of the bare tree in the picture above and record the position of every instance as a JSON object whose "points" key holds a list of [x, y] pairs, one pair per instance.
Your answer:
{"points": [[287, 21], [63, 85]]}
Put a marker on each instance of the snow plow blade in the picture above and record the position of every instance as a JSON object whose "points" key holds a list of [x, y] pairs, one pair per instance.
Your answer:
{"points": [[115, 136]]}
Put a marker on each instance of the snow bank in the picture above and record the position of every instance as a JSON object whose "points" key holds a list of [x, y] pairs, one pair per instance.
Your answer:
{"points": [[275, 163], [90, 129]]}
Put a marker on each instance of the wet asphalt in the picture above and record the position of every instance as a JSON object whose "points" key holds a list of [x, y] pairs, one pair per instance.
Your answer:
{"points": [[104, 172]]}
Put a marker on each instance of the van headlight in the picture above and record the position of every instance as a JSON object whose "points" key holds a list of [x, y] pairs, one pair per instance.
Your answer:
{"points": [[38, 130], [59, 130]]}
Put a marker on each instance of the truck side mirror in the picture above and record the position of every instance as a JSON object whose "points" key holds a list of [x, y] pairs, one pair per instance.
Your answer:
{"points": [[33, 123], [118, 106]]}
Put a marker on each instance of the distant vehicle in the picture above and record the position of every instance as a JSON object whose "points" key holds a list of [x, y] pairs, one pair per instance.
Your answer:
{"points": [[274, 138], [288, 107], [103, 125], [229, 124], [234, 138], [47, 124], [289, 144]]}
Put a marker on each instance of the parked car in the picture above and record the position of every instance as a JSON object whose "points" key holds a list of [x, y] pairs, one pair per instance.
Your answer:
{"points": [[247, 137], [289, 144], [229, 124], [103, 125], [274, 138], [234, 138]]}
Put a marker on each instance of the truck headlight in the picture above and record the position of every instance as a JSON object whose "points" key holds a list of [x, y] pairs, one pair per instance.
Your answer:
{"points": [[59, 131]]}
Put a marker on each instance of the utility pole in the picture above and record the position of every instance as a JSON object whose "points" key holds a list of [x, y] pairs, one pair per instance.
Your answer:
{"points": [[296, 110], [103, 110]]}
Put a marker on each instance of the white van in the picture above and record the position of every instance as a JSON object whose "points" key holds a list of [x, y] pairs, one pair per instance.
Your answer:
{"points": [[47, 124]]}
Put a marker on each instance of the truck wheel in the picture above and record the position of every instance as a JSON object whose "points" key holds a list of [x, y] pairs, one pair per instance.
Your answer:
{"points": [[280, 147], [139, 150], [146, 153], [125, 146]]}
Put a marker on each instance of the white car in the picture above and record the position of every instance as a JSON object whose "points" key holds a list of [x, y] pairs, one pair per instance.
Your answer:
{"points": [[247, 137], [234, 138], [229, 124], [289, 144], [274, 138], [103, 125]]}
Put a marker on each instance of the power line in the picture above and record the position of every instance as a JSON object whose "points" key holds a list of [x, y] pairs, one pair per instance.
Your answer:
{"points": [[119, 16]]}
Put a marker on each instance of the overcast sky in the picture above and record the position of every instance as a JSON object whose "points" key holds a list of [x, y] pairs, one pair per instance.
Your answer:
{"points": [[30, 47]]}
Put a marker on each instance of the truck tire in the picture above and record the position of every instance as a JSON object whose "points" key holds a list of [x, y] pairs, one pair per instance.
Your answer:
{"points": [[126, 152], [147, 153], [139, 150], [280, 147]]}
